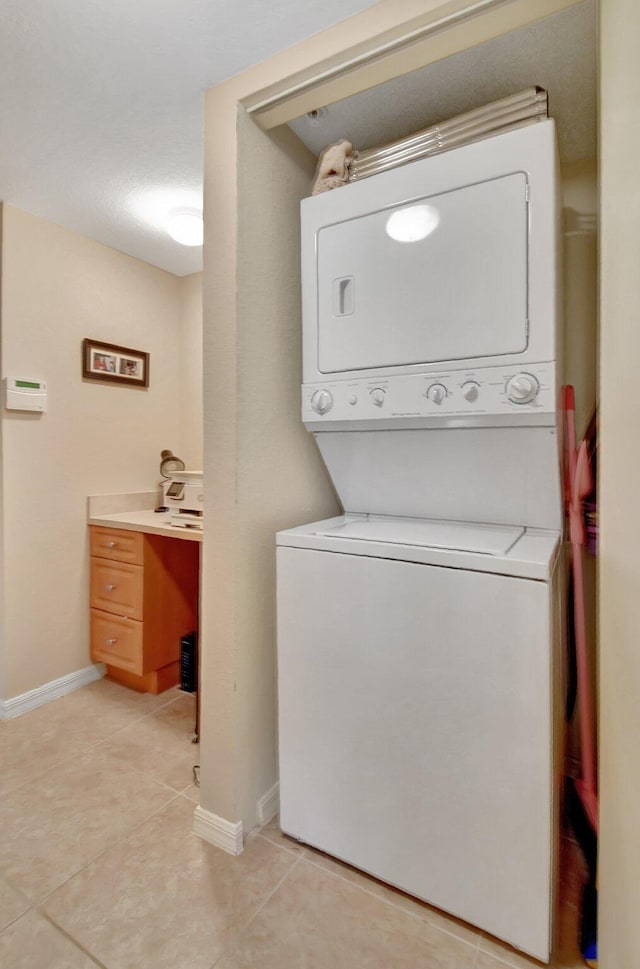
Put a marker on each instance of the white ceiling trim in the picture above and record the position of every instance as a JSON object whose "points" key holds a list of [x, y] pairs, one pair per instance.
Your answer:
{"points": [[301, 92], [369, 56]]}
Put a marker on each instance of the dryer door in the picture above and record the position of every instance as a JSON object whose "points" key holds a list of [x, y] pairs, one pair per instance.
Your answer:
{"points": [[439, 278]]}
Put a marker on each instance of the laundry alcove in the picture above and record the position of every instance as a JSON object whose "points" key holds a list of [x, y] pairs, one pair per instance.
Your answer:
{"points": [[264, 471]]}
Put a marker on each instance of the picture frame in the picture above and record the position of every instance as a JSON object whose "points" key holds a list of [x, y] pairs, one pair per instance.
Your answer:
{"points": [[120, 365]]}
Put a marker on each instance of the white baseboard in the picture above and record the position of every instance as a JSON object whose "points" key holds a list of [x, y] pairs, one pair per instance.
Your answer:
{"points": [[269, 805], [50, 691], [218, 831]]}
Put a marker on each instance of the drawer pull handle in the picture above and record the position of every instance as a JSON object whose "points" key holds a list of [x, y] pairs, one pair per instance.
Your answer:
{"points": [[110, 587], [111, 642], [112, 544]]}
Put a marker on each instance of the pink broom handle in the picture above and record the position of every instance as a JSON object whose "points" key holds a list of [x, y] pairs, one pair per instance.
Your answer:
{"points": [[569, 403], [579, 485]]}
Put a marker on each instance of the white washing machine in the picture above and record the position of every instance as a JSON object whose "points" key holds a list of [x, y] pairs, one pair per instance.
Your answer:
{"points": [[418, 634]]}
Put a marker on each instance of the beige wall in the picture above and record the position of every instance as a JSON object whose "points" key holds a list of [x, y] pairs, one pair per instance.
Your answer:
{"points": [[263, 472], [580, 253], [190, 288], [619, 643], [57, 288]]}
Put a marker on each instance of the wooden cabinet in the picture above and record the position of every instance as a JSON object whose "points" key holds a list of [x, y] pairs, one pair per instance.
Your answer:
{"points": [[117, 641], [144, 599], [119, 546], [117, 587]]}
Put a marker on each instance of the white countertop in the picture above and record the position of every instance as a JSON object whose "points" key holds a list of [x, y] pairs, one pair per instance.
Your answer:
{"points": [[149, 521]]}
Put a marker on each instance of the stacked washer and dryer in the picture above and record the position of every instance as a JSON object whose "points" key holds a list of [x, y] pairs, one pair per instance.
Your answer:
{"points": [[419, 633]]}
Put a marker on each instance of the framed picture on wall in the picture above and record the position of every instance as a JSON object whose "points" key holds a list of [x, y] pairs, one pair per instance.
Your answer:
{"points": [[122, 365]]}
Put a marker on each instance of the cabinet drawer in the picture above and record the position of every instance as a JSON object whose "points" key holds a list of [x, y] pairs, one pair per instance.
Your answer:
{"points": [[116, 641], [117, 588], [120, 546]]}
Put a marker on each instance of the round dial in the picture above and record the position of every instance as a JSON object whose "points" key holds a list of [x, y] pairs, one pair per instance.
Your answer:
{"points": [[436, 393], [322, 401], [522, 388], [470, 390], [377, 396]]}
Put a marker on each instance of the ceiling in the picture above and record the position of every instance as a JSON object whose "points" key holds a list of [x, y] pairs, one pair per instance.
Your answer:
{"points": [[558, 53], [101, 105], [101, 101]]}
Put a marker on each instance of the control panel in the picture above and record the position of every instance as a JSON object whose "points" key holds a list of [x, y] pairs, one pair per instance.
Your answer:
{"points": [[488, 392], [25, 393]]}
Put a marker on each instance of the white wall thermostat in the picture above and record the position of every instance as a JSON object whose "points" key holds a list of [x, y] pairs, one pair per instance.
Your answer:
{"points": [[25, 393]]}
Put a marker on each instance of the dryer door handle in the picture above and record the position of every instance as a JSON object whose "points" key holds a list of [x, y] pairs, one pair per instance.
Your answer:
{"points": [[343, 303]]}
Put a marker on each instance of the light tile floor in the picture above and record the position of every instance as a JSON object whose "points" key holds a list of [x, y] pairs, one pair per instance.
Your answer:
{"points": [[99, 868]]}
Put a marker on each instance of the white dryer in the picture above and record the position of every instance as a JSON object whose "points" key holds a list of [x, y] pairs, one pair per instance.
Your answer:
{"points": [[418, 634]]}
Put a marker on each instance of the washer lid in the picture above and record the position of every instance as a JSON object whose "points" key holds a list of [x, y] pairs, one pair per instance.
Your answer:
{"points": [[457, 536]]}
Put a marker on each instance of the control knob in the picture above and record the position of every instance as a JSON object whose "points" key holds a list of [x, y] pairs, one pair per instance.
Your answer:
{"points": [[377, 396], [470, 391], [322, 401], [522, 388], [436, 393]]}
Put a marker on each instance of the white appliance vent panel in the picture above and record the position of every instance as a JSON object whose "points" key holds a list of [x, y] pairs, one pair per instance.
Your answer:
{"points": [[459, 292], [460, 536], [493, 475]]}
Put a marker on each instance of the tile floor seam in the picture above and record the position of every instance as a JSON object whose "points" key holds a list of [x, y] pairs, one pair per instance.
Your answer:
{"points": [[31, 908], [46, 770], [112, 844], [478, 945], [127, 726], [291, 851], [67, 935], [260, 907], [122, 764], [440, 928], [499, 958], [144, 716], [95, 743], [393, 905], [477, 952], [148, 775]]}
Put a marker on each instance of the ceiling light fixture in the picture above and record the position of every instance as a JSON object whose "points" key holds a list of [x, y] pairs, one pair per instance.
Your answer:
{"points": [[186, 226]]}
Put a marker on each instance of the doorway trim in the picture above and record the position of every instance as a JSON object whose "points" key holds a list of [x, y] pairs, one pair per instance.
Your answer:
{"points": [[449, 29]]}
